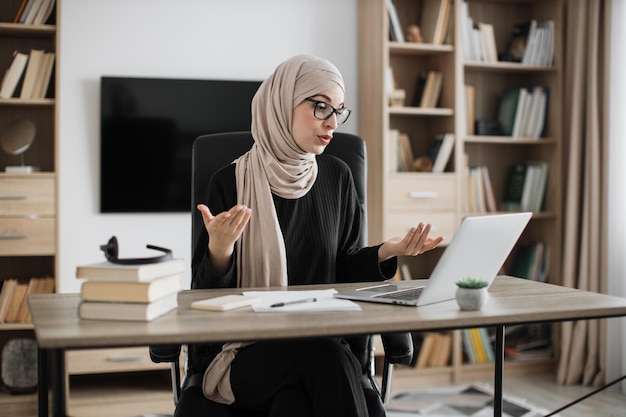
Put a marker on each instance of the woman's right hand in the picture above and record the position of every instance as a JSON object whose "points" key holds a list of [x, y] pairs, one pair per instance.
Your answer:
{"points": [[224, 229]]}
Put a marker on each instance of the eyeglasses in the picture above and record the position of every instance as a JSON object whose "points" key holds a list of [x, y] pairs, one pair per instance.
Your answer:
{"points": [[323, 111]]}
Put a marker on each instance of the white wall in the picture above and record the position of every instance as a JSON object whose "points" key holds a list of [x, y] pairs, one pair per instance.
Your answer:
{"points": [[234, 39]]}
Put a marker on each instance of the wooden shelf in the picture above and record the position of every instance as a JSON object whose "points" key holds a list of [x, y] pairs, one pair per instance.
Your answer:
{"points": [[19, 29], [379, 57]]}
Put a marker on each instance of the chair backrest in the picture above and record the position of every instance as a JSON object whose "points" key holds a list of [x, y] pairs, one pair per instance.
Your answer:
{"points": [[214, 151]]}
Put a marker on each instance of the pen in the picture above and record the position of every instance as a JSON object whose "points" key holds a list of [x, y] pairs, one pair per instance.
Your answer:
{"points": [[286, 303]]}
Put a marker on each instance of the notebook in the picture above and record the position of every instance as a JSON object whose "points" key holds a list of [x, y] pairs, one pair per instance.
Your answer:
{"points": [[478, 249]]}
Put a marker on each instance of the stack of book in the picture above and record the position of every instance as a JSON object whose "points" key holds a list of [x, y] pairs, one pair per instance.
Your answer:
{"points": [[429, 89], [28, 76], [528, 343], [522, 112], [478, 37], [35, 12], [526, 187], [433, 349], [441, 151], [129, 292], [14, 294], [477, 345], [480, 195], [531, 261]]}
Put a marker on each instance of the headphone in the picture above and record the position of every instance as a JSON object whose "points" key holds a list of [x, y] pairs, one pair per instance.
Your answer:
{"points": [[111, 249]]}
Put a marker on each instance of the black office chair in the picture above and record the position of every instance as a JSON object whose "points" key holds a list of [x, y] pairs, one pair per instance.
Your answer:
{"points": [[210, 153]]}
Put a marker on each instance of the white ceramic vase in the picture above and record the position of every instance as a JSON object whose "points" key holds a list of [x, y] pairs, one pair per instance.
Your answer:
{"points": [[471, 299]]}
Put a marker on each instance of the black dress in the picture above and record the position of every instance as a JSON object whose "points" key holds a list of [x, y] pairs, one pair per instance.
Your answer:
{"points": [[321, 234]]}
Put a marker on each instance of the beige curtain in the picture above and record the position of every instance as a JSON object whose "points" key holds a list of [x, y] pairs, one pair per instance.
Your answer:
{"points": [[582, 344]]}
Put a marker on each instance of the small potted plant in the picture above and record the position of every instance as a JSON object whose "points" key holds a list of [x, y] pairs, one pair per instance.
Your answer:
{"points": [[471, 293]]}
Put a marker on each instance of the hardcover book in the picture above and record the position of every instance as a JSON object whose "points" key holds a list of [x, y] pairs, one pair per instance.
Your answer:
{"points": [[137, 292], [97, 310], [133, 273]]}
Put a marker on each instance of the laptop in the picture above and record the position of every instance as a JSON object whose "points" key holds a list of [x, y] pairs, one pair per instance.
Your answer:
{"points": [[478, 249]]}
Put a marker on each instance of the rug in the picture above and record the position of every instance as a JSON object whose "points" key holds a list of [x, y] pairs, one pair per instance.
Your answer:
{"points": [[475, 400]]}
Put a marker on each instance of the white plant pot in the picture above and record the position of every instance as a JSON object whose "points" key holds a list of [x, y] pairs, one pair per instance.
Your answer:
{"points": [[471, 299]]}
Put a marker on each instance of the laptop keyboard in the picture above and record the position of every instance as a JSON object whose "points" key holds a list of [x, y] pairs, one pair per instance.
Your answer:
{"points": [[408, 294]]}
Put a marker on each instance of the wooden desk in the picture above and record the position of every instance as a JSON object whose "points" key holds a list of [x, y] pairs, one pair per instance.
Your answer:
{"points": [[512, 301]]}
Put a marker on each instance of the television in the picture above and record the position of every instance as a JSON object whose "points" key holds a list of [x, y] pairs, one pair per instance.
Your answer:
{"points": [[147, 128]]}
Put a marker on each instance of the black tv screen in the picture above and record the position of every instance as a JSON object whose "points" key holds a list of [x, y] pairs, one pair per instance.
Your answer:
{"points": [[147, 128]]}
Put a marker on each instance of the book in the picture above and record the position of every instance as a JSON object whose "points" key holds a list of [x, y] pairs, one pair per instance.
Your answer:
{"points": [[467, 25], [35, 64], [486, 344], [35, 286], [43, 76], [535, 183], [477, 345], [19, 293], [137, 273], [138, 292], [13, 75], [531, 42], [406, 151], [472, 201], [444, 34], [6, 296], [537, 354], [478, 203], [468, 347], [508, 110], [20, 11], [393, 154], [514, 188], [395, 28], [432, 89], [534, 127], [429, 340], [442, 351], [44, 12], [435, 146], [432, 20], [443, 156], [23, 314], [470, 108], [102, 310], [490, 198], [29, 17], [523, 260], [489, 41], [539, 49]]}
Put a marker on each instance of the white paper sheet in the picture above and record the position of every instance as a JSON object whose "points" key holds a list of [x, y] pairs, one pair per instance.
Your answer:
{"points": [[324, 301]]}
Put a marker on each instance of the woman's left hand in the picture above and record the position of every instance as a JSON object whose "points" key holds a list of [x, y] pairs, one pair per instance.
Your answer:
{"points": [[415, 242]]}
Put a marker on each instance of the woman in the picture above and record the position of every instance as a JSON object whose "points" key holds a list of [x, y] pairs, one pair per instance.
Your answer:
{"points": [[285, 214]]}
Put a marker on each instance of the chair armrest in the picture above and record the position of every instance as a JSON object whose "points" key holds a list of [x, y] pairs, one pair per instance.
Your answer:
{"points": [[164, 353], [398, 347]]}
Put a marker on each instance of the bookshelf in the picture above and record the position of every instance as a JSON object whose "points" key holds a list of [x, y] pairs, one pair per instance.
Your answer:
{"points": [[28, 200], [399, 198]]}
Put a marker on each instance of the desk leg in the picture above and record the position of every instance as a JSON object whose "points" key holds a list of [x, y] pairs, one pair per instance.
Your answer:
{"points": [[58, 383], [42, 382], [499, 372]]}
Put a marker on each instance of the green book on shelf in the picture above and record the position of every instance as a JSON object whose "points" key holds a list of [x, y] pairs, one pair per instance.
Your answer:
{"points": [[514, 188], [508, 109]]}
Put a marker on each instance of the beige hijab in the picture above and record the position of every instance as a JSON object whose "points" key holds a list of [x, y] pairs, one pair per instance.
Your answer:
{"points": [[274, 164]]}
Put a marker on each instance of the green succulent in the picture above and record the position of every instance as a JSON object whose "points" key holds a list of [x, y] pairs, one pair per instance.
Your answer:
{"points": [[472, 282]]}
